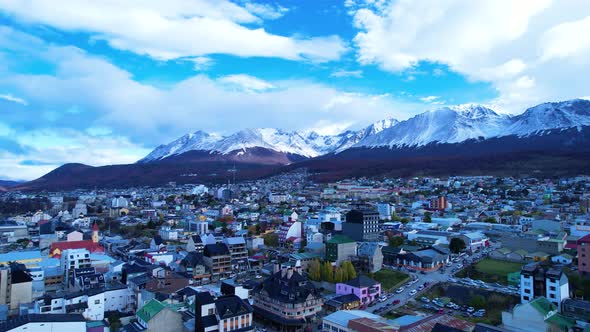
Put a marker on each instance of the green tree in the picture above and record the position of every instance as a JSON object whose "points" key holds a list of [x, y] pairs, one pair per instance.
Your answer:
{"points": [[349, 271], [457, 245], [478, 302], [396, 241], [428, 217], [339, 275], [327, 272], [271, 240], [315, 270]]}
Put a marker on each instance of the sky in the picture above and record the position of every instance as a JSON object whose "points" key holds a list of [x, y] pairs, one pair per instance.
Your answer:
{"points": [[105, 81]]}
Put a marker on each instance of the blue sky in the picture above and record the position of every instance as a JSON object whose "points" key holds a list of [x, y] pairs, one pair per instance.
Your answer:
{"points": [[104, 82]]}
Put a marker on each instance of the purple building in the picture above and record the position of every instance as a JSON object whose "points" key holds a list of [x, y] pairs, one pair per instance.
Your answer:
{"points": [[365, 288]]}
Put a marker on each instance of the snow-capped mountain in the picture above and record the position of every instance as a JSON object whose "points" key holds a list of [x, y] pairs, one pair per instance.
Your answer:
{"points": [[565, 114], [445, 125], [453, 124]]}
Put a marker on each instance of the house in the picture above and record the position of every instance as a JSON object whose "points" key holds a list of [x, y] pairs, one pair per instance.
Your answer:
{"points": [[340, 248], [287, 298], [564, 259], [342, 302], [534, 316], [57, 248], [154, 316], [369, 257], [365, 288], [424, 259], [475, 241], [238, 253], [195, 243], [194, 264]]}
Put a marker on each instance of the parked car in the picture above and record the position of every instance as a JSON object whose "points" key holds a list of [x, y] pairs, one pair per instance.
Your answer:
{"points": [[425, 299], [413, 292], [396, 302], [470, 309], [399, 290]]}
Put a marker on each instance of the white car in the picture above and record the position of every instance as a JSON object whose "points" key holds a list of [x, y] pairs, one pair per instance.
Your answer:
{"points": [[399, 290], [413, 292]]}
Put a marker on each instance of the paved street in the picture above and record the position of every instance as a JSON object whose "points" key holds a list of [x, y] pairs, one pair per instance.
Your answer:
{"points": [[433, 278]]}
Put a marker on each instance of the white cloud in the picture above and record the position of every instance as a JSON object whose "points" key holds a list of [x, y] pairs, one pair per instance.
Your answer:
{"points": [[113, 107], [246, 82], [202, 63], [347, 73], [177, 28], [429, 99], [531, 51], [11, 98], [266, 11]]}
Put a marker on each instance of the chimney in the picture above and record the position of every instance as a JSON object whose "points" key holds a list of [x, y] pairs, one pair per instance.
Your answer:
{"points": [[276, 268], [283, 272], [289, 272]]}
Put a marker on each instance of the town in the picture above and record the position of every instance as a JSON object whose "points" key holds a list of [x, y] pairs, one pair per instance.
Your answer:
{"points": [[285, 253]]}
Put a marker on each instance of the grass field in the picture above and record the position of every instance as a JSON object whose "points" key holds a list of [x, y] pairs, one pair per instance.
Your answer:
{"points": [[390, 279], [491, 270]]}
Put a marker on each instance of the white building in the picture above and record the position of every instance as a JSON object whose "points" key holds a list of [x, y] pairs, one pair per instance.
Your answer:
{"points": [[535, 282], [44, 323], [385, 211], [277, 198]]}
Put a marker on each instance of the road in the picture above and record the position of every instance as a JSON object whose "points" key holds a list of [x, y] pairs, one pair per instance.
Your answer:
{"points": [[432, 278]]}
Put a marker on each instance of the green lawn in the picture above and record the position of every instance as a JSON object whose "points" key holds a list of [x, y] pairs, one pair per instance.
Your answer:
{"points": [[390, 279], [491, 270]]}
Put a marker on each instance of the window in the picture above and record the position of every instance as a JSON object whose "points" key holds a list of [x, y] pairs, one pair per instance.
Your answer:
{"points": [[528, 291], [552, 296], [552, 288], [96, 301]]}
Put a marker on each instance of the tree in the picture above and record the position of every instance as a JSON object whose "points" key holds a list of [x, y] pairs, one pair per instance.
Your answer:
{"points": [[478, 302], [349, 271], [457, 245], [327, 272], [428, 217], [490, 220], [271, 240], [396, 241], [314, 270], [339, 275]]}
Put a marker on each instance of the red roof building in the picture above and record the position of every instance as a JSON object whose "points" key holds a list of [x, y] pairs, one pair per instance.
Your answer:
{"points": [[58, 247]]}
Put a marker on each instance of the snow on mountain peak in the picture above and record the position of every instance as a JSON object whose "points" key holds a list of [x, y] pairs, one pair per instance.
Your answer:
{"points": [[449, 124]]}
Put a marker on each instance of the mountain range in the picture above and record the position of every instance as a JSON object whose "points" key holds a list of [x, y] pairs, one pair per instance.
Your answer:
{"points": [[451, 136]]}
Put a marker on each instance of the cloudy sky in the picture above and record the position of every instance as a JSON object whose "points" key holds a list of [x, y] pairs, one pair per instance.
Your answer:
{"points": [[105, 81]]}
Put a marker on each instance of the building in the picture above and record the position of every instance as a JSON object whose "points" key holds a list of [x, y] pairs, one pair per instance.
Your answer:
{"points": [[42, 323], [218, 260], [535, 282], [362, 225], [238, 253], [385, 211], [439, 203], [365, 288], [340, 248], [584, 255], [195, 243], [475, 241], [369, 257], [338, 321], [424, 259], [154, 316], [16, 287], [72, 259], [534, 316], [234, 314], [287, 298]]}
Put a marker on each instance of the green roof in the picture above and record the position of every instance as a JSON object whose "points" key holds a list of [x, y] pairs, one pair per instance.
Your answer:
{"points": [[304, 255], [339, 239], [150, 309], [543, 305], [563, 322]]}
